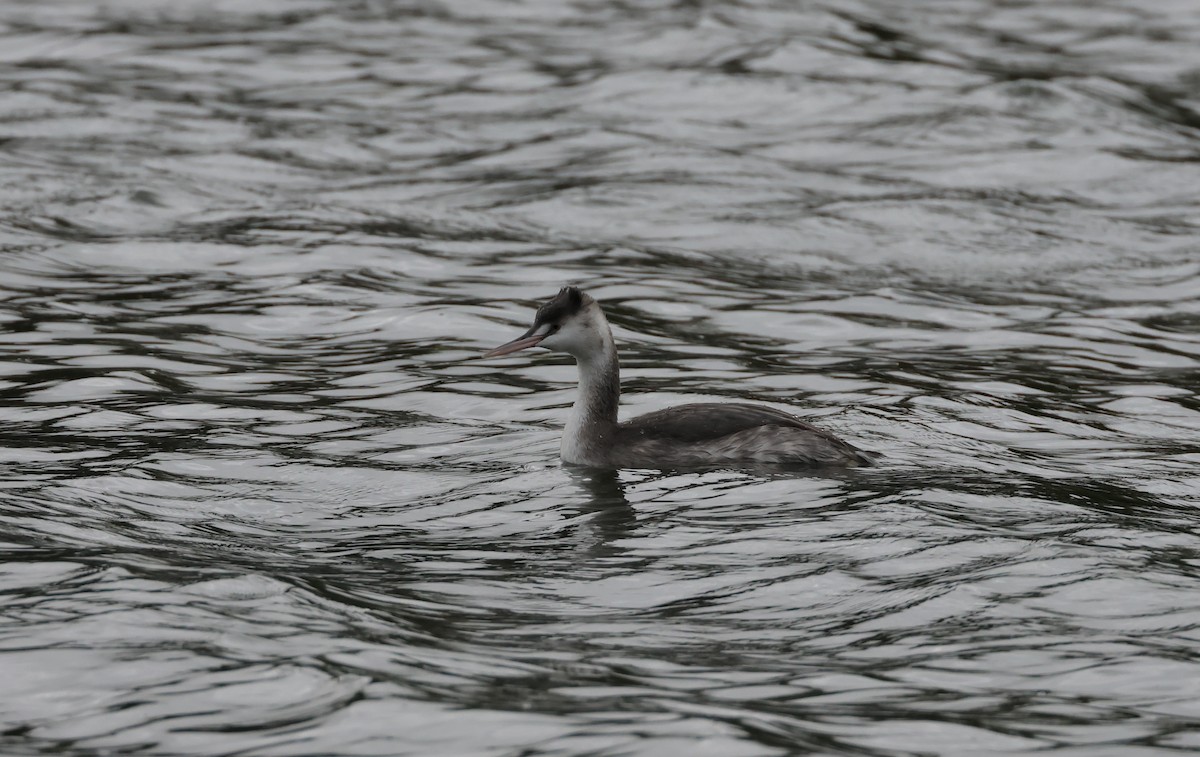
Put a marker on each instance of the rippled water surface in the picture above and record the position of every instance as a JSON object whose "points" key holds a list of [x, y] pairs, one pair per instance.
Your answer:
{"points": [[258, 500]]}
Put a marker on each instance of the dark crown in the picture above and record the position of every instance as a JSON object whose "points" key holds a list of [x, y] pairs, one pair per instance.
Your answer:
{"points": [[566, 303]]}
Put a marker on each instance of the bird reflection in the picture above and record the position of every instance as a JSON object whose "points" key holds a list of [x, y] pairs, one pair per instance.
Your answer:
{"points": [[613, 518]]}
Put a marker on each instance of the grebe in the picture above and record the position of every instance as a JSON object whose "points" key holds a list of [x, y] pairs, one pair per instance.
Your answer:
{"points": [[688, 435]]}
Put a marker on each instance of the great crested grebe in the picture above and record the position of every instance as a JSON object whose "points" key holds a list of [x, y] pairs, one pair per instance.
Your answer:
{"points": [[687, 435]]}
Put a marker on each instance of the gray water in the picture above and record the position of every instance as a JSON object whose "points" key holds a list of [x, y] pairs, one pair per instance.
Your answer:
{"points": [[258, 498]]}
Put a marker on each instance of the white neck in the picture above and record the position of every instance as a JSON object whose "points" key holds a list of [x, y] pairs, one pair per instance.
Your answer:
{"points": [[589, 430]]}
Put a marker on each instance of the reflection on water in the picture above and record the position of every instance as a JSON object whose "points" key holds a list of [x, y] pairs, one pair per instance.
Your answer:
{"points": [[258, 500]]}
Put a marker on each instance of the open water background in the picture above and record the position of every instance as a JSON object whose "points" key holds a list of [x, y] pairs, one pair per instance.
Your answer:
{"points": [[256, 499]]}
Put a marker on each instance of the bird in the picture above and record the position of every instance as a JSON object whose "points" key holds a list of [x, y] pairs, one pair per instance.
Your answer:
{"points": [[723, 434]]}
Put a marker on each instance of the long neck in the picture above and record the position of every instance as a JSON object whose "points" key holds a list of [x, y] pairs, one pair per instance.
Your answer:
{"points": [[593, 422], [599, 388]]}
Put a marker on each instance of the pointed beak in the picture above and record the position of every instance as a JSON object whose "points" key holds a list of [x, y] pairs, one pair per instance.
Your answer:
{"points": [[525, 341]]}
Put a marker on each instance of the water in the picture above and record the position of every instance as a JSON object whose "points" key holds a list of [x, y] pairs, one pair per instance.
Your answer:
{"points": [[259, 501]]}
